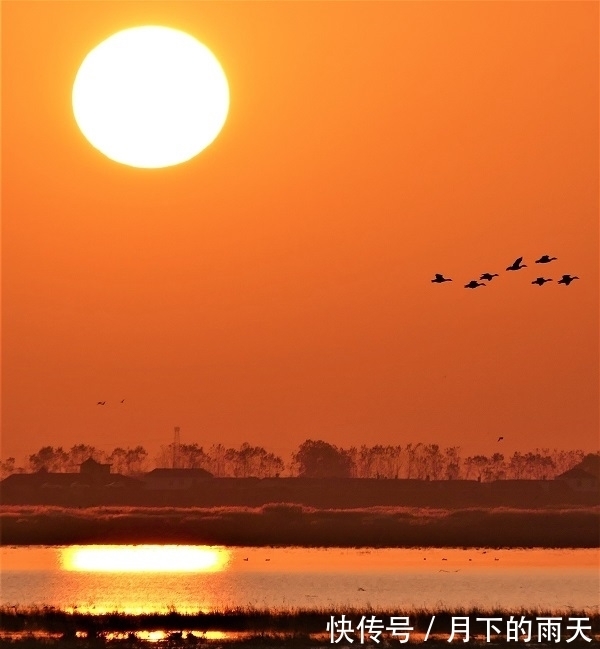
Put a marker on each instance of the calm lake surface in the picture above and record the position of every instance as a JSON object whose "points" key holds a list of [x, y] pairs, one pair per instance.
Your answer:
{"points": [[135, 579]]}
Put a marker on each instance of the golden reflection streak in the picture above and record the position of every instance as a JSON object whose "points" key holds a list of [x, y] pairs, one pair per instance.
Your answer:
{"points": [[144, 558]]}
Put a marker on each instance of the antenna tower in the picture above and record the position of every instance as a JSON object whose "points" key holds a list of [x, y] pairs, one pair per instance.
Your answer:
{"points": [[176, 448]]}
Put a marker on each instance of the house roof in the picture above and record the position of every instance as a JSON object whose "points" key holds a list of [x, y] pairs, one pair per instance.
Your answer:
{"points": [[576, 473], [179, 473], [91, 462], [591, 464]]}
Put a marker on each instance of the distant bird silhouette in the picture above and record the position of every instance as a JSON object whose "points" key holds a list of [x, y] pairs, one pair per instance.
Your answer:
{"points": [[470, 559], [444, 559], [516, 265], [545, 259], [438, 279], [567, 279], [122, 400], [267, 559], [484, 552], [360, 588], [489, 276], [496, 559], [474, 284], [245, 558], [540, 281], [500, 438], [101, 403]]}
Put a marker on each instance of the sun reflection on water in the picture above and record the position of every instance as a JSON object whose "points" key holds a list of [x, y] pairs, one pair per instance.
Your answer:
{"points": [[144, 558]]}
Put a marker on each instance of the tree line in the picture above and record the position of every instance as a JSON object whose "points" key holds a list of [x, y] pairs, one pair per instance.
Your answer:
{"points": [[312, 459]]}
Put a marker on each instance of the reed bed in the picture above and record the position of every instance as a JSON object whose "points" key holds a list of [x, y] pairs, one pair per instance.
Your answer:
{"points": [[248, 619], [284, 524]]}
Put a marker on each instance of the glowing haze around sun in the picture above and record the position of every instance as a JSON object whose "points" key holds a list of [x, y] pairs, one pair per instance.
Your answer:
{"points": [[150, 97]]}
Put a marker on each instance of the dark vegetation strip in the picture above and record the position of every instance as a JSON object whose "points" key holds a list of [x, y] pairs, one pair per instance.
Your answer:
{"points": [[262, 641], [287, 524], [52, 620]]}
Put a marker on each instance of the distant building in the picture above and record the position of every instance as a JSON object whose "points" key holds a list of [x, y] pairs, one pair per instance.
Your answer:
{"points": [[591, 464], [91, 467], [578, 479], [175, 478], [91, 474]]}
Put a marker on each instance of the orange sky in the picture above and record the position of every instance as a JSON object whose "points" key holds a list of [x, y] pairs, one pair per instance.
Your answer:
{"points": [[277, 287]]}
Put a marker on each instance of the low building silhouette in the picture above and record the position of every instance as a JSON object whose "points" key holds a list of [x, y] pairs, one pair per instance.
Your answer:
{"points": [[175, 479], [585, 476], [91, 474], [93, 468]]}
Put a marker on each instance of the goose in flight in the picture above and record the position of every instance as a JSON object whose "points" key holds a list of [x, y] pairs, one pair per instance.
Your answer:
{"points": [[540, 281], [567, 279], [500, 438], [516, 265], [474, 284], [545, 259], [101, 403], [489, 276], [439, 278]]}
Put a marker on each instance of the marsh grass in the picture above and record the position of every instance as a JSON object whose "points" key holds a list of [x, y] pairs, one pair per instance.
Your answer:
{"points": [[259, 621], [286, 524]]}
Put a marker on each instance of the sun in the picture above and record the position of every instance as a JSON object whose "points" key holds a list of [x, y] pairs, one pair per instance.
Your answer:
{"points": [[150, 97]]}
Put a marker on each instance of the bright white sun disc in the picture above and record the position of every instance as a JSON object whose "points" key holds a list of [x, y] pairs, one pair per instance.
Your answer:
{"points": [[150, 97]]}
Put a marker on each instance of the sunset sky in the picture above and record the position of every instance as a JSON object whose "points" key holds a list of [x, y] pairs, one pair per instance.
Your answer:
{"points": [[277, 286]]}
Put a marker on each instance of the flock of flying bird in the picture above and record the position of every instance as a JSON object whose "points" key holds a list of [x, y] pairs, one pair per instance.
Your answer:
{"points": [[516, 265]]}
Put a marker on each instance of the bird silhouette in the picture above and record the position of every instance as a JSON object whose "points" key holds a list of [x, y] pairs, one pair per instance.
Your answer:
{"points": [[101, 403], [489, 276], [474, 284], [500, 438], [245, 558], [567, 279], [545, 259], [540, 281], [438, 279], [122, 400], [360, 588], [516, 265]]}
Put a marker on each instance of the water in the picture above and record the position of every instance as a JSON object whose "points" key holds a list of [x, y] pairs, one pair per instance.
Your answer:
{"points": [[135, 579]]}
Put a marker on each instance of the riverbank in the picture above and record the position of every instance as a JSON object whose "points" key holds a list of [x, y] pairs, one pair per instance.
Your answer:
{"points": [[296, 525]]}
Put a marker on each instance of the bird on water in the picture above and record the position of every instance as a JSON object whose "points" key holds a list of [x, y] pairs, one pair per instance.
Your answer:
{"points": [[489, 276], [545, 259], [474, 284], [439, 278], [540, 281], [517, 265], [567, 279]]}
